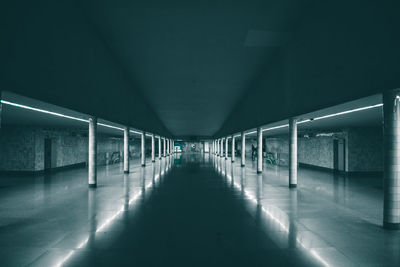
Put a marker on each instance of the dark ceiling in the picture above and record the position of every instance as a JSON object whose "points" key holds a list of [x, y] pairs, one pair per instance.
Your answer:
{"points": [[199, 68]]}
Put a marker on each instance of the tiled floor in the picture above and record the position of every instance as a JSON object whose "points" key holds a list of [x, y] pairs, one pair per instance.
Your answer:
{"points": [[194, 210]]}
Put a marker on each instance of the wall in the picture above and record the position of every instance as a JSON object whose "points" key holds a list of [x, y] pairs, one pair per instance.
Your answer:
{"points": [[316, 151], [17, 149], [311, 149], [192, 147], [365, 147], [363, 151], [22, 148]]}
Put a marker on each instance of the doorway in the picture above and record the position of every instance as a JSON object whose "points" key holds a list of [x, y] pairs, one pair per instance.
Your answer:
{"points": [[47, 154], [339, 159]]}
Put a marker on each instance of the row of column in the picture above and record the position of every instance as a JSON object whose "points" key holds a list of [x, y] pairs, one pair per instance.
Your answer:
{"points": [[168, 145], [391, 156], [218, 149]]}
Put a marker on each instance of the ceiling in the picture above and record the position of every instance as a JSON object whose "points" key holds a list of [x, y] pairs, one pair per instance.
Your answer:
{"points": [[198, 68], [368, 118], [17, 116]]}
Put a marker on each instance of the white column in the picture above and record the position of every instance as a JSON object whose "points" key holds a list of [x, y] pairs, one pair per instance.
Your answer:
{"points": [[217, 147], [243, 149], [126, 150], [92, 172], [165, 147], [292, 153], [168, 145], [233, 149], [391, 159], [143, 144], [221, 153], [259, 150], [226, 147], [173, 146], [159, 147], [153, 152], [213, 146]]}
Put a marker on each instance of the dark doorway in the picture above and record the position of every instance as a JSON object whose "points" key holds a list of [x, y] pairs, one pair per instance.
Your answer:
{"points": [[339, 159], [47, 154]]}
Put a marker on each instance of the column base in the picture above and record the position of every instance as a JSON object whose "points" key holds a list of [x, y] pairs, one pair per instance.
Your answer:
{"points": [[153, 160], [259, 171], [391, 226], [144, 165], [92, 185], [292, 185], [243, 165], [126, 171], [232, 161]]}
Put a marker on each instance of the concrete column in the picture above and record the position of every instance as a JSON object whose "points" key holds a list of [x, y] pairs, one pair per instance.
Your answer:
{"points": [[259, 150], [153, 152], [168, 145], [165, 147], [92, 172], [292, 153], [233, 149], [217, 147], [243, 149], [159, 147], [221, 152], [226, 147], [143, 144], [391, 159], [214, 147], [126, 150]]}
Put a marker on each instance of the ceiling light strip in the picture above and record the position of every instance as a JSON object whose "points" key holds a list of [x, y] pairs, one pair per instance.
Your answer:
{"points": [[61, 115], [42, 111], [322, 117]]}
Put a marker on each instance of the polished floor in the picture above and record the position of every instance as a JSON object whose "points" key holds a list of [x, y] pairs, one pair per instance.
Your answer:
{"points": [[194, 210]]}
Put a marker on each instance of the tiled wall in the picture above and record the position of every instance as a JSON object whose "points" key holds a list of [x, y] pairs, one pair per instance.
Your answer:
{"points": [[365, 148], [22, 148], [17, 149]]}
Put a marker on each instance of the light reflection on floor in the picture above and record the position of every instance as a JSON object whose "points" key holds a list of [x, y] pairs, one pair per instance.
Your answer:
{"points": [[193, 209]]}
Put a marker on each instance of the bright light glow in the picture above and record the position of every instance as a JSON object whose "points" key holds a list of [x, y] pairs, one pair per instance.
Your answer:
{"points": [[43, 111], [348, 111], [136, 132], [276, 127], [252, 132], [303, 121], [110, 126]]}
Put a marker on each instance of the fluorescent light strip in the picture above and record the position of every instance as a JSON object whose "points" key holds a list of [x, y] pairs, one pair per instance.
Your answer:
{"points": [[347, 112], [136, 132], [276, 127], [43, 111], [110, 126], [322, 117], [250, 132], [61, 115]]}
